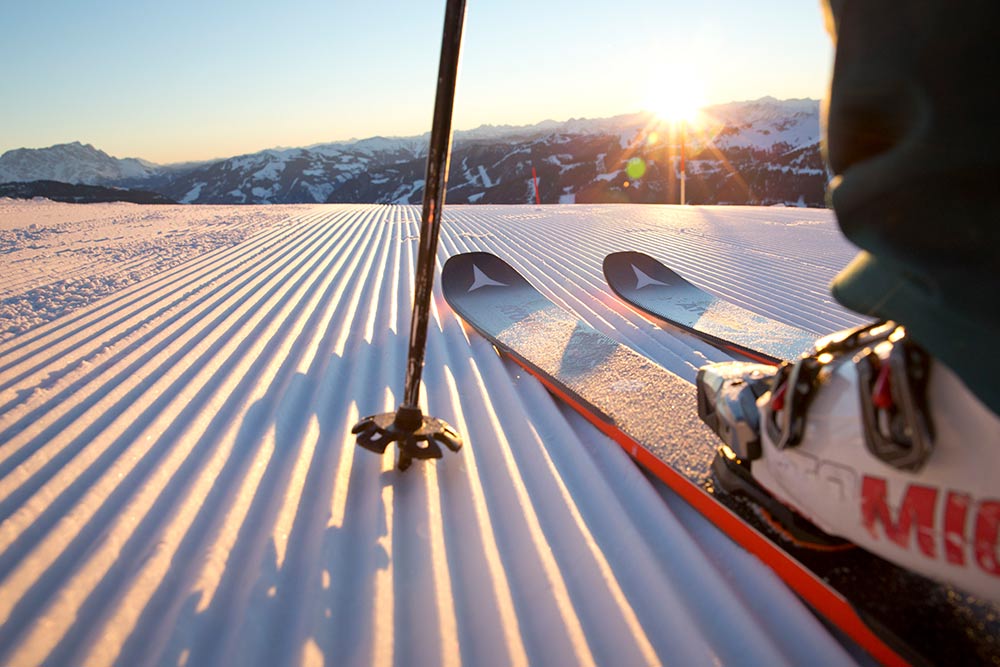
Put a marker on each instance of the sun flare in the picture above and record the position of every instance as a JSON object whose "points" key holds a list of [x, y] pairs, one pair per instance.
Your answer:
{"points": [[676, 99]]}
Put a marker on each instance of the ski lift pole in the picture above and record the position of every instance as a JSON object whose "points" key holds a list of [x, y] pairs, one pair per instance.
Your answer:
{"points": [[420, 436], [684, 141]]}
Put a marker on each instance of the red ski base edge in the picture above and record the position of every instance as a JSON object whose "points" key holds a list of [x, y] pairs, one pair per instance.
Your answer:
{"points": [[827, 602]]}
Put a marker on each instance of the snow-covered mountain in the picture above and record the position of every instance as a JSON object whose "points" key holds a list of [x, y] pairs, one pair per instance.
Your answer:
{"points": [[296, 175], [764, 151], [767, 123], [71, 163]]}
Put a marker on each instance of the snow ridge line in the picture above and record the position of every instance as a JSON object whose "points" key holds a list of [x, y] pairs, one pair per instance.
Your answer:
{"points": [[222, 596], [167, 310], [38, 340], [125, 299], [132, 426], [72, 263]]}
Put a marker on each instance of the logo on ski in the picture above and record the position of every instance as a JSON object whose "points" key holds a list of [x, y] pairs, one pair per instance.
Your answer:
{"points": [[480, 280], [643, 280]]}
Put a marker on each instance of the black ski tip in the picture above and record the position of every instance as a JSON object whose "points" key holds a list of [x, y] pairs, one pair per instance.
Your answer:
{"points": [[467, 266], [471, 274], [624, 258], [624, 272], [617, 268]]}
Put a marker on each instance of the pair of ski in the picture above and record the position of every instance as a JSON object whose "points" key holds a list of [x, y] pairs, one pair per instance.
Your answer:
{"points": [[897, 616]]}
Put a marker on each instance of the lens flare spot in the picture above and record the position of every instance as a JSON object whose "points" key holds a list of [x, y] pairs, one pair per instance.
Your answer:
{"points": [[636, 168]]}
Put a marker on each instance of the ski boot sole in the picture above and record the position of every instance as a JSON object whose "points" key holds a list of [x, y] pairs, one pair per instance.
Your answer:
{"points": [[733, 477]]}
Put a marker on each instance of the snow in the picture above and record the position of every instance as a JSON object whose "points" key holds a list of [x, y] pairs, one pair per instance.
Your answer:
{"points": [[415, 146], [193, 193], [405, 192], [484, 177], [272, 170], [766, 122], [70, 163], [319, 192], [60, 257], [179, 485]]}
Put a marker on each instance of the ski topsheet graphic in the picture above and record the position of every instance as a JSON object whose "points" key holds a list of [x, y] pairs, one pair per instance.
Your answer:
{"points": [[654, 288], [895, 615]]}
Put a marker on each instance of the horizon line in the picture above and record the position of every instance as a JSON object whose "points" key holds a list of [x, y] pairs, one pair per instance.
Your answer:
{"points": [[356, 140]]}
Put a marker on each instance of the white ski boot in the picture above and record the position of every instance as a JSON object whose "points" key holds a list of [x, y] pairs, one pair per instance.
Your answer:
{"points": [[873, 441]]}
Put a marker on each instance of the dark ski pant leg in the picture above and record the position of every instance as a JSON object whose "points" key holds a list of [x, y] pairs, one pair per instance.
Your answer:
{"points": [[913, 139]]}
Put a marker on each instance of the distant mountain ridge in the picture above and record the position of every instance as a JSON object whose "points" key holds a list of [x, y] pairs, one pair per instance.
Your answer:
{"points": [[75, 163], [763, 151]]}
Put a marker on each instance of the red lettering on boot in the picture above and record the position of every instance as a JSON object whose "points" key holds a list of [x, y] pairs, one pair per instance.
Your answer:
{"points": [[987, 527], [956, 511], [917, 510]]}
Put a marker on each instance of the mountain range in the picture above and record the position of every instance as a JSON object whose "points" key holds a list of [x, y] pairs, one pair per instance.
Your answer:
{"points": [[760, 152]]}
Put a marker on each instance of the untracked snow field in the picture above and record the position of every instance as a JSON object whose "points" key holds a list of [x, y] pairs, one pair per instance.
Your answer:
{"points": [[57, 257], [179, 485]]}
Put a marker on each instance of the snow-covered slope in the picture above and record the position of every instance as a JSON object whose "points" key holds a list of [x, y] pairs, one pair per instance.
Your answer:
{"points": [[59, 257], [179, 486]]}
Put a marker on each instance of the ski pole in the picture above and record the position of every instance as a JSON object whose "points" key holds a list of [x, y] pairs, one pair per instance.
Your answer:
{"points": [[420, 436]]}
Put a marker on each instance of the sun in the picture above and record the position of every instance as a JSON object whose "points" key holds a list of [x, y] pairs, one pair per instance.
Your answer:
{"points": [[675, 98]]}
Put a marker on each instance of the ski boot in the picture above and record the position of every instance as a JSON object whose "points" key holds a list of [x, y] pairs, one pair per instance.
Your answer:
{"points": [[870, 440]]}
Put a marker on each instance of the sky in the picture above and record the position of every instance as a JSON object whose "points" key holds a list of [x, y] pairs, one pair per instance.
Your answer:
{"points": [[178, 80]]}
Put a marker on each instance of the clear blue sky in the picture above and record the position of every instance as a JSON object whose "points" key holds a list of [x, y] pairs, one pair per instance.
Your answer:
{"points": [[175, 80]]}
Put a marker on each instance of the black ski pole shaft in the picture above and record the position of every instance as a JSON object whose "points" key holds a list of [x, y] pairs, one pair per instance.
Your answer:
{"points": [[420, 436], [435, 183]]}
